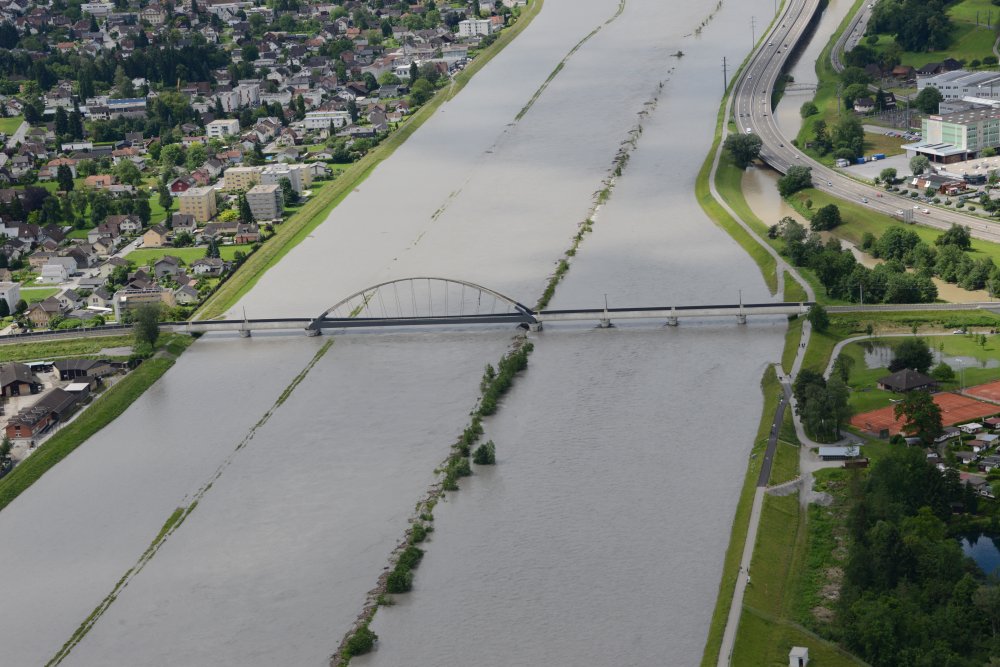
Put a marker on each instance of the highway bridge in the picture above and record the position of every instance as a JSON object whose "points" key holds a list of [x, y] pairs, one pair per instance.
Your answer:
{"points": [[439, 302], [751, 111]]}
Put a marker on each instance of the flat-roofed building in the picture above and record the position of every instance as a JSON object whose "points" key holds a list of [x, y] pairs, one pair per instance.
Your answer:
{"points": [[266, 202], [299, 175], [241, 178], [222, 127], [198, 202]]}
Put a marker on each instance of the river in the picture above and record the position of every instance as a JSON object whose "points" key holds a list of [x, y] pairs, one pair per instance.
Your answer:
{"points": [[621, 452]]}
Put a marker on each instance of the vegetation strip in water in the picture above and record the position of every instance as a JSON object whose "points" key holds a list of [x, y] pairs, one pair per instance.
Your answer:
{"points": [[398, 578], [177, 518], [96, 416], [290, 233], [601, 197]]}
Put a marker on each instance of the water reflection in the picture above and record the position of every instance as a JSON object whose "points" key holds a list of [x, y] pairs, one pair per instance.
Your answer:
{"points": [[879, 355], [983, 550]]}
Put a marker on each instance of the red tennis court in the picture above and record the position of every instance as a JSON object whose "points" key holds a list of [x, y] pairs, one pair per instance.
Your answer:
{"points": [[989, 391], [954, 409]]}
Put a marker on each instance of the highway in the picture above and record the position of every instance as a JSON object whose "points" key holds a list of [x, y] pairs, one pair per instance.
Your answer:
{"points": [[752, 113]]}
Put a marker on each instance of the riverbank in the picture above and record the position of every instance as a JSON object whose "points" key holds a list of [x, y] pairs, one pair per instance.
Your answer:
{"points": [[315, 212]]}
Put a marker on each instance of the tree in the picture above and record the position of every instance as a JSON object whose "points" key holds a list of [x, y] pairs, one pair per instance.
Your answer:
{"points": [[389, 79], [957, 235], [825, 218], [421, 91], [928, 99], [146, 325], [943, 373], [246, 214], [912, 353], [212, 252], [849, 136], [743, 148], [127, 172], [920, 415], [352, 109], [818, 318], [5, 446], [919, 164], [808, 109], [288, 192], [887, 175], [842, 366], [414, 73], [797, 178], [65, 177], [171, 155], [164, 198], [196, 156]]}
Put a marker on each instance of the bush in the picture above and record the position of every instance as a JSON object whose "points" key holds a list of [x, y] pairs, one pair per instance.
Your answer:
{"points": [[485, 454], [361, 642], [460, 467], [400, 580], [418, 533], [410, 557]]}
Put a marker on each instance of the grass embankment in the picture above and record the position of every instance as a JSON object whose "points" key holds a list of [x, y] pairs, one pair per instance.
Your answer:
{"points": [[737, 539], [291, 232], [99, 414], [792, 338], [730, 189], [77, 347], [794, 292]]}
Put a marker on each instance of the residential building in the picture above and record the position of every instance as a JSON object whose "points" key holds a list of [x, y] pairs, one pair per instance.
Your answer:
{"points": [[126, 299], [241, 178], [299, 175], [199, 202], [11, 293], [222, 128], [30, 422], [155, 237], [321, 120], [474, 27], [266, 202]]}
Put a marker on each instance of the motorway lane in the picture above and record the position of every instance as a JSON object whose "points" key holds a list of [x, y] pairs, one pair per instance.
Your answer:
{"points": [[752, 112]]}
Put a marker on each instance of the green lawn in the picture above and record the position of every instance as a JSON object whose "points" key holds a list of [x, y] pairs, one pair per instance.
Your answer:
{"points": [[794, 293], [144, 256], [10, 125], [791, 344], [78, 347], [31, 295]]}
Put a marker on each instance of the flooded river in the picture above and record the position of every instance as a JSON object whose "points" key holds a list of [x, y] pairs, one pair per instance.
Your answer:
{"points": [[600, 534]]}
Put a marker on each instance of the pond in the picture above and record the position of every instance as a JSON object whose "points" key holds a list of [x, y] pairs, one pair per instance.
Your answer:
{"points": [[878, 355], [982, 548]]}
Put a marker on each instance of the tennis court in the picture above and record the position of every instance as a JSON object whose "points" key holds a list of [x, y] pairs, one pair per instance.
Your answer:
{"points": [[989, 391], [954, 409]]}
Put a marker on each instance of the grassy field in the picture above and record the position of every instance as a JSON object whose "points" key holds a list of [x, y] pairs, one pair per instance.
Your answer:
{"points": [[791, 344], [312, 214], [794, 293], [99, 414], [60, 348], [10, 125], [31, 295], [144, 256], [737, 538]]}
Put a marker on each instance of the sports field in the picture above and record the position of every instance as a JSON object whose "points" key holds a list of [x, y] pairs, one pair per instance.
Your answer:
{"points": [[955, 409], [988, 392]]}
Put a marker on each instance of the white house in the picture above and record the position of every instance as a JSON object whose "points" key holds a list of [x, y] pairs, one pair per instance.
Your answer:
{"points": [[320, 120], [53, 274], [473, 27], [223, 127], [11, 293]]}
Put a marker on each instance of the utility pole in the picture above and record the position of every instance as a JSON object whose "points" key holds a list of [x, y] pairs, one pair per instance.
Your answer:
{"points": [[753, 31], [725, 75]]}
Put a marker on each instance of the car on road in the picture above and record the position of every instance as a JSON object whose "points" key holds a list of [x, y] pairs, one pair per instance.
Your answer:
{"points": [[830, 183], [916, 208], [864, 200], [927, 210], [749, 131], [899, 211]]}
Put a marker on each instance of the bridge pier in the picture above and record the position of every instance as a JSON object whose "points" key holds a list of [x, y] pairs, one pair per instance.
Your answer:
{"points": [[741, 319], [672, 321], [604, 323], [313, 332], [244, 333], [534, 327]]}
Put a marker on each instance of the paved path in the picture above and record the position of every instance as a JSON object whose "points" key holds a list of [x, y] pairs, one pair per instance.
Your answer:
{"points": [[742, 581]]}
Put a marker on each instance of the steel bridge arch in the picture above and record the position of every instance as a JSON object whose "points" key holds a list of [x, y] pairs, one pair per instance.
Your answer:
{"points": [[365, 296]]}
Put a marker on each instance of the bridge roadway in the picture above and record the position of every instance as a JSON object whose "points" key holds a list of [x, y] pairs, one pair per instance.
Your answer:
{"points": [[751, 103]]}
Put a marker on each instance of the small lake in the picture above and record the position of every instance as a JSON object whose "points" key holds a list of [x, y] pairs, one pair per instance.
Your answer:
{"points": [[982, 548], [878, 355]]}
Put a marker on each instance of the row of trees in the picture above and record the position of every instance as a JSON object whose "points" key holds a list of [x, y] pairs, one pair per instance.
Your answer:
{"points": [[917, 25], [846, 140], [823, 405]]}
